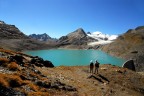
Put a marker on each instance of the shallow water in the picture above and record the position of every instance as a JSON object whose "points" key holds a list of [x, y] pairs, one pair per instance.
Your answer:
{"points": [[76, 57]]}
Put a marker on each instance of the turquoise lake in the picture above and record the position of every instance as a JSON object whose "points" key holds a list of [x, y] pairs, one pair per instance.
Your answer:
{"points": [[76, 57]]}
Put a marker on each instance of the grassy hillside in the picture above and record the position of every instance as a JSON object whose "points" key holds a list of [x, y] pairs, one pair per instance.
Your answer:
{"points": [[129, 46]]}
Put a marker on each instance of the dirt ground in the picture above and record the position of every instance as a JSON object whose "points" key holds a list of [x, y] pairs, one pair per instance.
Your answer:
{"points": [[111, 80]]}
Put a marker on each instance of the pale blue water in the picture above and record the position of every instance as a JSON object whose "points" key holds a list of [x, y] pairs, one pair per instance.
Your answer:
{"points": [[76, 57]]}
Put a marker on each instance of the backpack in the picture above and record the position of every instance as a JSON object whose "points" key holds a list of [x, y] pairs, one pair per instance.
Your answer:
{"points": [[96, 64]]}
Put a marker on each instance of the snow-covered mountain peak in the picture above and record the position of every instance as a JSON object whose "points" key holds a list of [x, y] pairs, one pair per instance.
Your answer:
{"points": [[100, 36]]}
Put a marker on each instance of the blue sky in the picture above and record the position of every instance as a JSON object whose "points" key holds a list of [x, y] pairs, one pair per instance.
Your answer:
{"points": [[60, 17]]}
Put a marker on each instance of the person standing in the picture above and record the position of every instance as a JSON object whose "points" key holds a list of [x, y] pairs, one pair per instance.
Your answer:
{"points": [[96, 67], [91, 66]]}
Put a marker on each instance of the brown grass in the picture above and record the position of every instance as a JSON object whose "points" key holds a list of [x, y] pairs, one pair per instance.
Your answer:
{"points": [[133, 37], [9, 80], [3, 82], [38, 94], [26, 65], [33, 87], [33, 74], [15, 81], [7, 51], [13, 66], [3, 61]]}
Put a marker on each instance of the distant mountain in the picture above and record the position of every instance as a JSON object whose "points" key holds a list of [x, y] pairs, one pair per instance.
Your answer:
{"points": [[78, 37], [101, 36], [12, 38], [42, 37], [129, 46]]}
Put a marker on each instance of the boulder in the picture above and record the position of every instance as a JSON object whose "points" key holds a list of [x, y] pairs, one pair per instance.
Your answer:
{"points": [[129, 64], [40, 62], [48, 63], [37, 61], [17, 58]]}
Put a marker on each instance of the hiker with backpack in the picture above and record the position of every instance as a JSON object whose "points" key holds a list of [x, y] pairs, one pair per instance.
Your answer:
{"points": [[91, 66], [96, 67]]}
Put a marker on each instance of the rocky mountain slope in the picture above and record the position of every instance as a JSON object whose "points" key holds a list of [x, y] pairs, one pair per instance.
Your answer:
{"points": [[129, 46], [24, 75], [12, 38], [77, 38], [10, 32]]}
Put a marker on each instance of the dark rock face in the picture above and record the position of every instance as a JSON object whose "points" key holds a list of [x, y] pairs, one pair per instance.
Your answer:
{"points": [[47, 63], [78, 37], [17, 58], [63, 38], [10, 92], [40, 62], [88, 32], [129, 64]]}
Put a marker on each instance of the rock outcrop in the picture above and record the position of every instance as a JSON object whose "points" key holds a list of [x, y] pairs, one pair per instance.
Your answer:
{"points": [[40, 62], [129, 64], [129, 46]]}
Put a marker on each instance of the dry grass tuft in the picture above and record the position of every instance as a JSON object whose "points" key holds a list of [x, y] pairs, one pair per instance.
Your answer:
{"points": [[3, 61], [33, 87], [8, 80], [14, 66], [3, 82], [38, 94], [8, 51], [15, 81], [33, 74]]}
